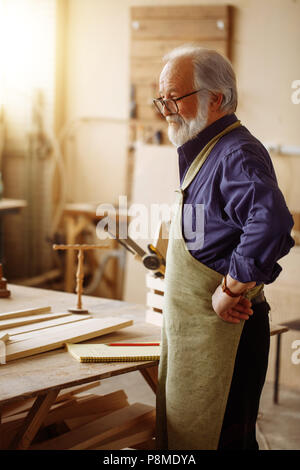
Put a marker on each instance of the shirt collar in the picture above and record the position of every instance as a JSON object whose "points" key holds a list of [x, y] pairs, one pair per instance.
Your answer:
{"points": [[189, 151]]}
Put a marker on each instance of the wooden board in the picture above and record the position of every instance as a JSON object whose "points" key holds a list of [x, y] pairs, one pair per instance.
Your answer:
{"points": [[141, 432], [41, 325], [56, 339], [25, 405], [184, 29], [4, 336], [55, 327], [14, 322], [90, 434], [187, 11], [151, 48], [24, 313]]}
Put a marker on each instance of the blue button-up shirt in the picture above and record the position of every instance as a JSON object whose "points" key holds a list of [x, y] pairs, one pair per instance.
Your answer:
{"points": [[246, 223]]}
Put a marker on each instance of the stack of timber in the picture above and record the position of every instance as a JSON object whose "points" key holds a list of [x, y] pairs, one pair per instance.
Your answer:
{"points": [[33, 331], [81, 420]]}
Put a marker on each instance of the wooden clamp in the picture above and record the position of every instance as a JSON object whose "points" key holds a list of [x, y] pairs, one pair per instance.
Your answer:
{"points": [[4, 292], [80, 272]]}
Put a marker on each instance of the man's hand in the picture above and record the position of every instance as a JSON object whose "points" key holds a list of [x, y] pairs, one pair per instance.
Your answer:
{"points": [[231, 309]]}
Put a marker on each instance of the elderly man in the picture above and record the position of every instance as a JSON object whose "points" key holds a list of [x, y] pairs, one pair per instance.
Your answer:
{"points": [[215, 336]]}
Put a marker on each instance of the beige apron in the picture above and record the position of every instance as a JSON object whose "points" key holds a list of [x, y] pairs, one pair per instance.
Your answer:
{"points": [[198, 348]]}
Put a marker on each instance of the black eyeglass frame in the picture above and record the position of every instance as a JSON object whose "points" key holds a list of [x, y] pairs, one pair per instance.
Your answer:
{"points": [[163, 101]]}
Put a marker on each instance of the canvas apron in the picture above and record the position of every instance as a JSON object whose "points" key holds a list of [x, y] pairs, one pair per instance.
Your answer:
{"points": [[198, 349]]}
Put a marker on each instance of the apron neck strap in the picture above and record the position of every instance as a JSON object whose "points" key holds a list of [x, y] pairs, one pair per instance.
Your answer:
{"points": [[200, 159]]}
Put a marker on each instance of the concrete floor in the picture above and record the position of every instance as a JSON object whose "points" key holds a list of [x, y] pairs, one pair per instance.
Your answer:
{"points": [[278, 426]]}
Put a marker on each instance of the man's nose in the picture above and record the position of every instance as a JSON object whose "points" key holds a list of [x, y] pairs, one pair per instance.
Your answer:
{"points": [[165, 110]]}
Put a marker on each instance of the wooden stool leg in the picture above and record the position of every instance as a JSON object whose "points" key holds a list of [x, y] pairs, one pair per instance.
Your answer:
{"points": [[33, 421], [277, 370], [150, 374]]}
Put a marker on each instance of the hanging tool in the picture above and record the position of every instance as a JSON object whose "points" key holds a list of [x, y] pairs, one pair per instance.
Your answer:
{"points": [[153, 260]]}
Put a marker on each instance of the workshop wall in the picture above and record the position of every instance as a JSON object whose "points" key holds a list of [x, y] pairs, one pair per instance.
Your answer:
{"points": [[264, 51]]}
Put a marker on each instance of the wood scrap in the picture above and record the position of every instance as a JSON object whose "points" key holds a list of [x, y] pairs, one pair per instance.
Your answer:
{"points": [[106, 427], [81, 422], [16, 322], [24, 313], [24, 405], [4, 336], [141, 432], [64, 395], [54, 327], [33, 421], [55, 339]]}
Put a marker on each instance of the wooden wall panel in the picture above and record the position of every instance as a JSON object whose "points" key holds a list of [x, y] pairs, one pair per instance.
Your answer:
{"points": [[151, 48], [181, 12], [155, 31], [183, 29]]}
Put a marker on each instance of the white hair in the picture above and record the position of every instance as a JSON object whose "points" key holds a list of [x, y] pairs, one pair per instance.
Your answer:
{"points": [[212, 71]]}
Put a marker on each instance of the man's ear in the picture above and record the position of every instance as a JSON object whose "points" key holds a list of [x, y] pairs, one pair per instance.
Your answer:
{"points": [[216, 101]]}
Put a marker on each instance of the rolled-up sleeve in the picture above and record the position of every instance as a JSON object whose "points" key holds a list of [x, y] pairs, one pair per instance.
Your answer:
{"points": [[254, 203]]}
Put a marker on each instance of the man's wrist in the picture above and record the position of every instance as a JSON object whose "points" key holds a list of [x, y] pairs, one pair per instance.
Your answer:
{"points": [[237, 287]]}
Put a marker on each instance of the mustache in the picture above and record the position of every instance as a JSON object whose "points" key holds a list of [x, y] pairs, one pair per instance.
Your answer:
{"points": [[175, 118]]}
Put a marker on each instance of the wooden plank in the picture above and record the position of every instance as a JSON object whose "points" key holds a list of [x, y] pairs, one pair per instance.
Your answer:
{"points": [[155, 300], [34, 420], [155, 283], [146, 112], [277, 329], [24, 405], [25, 312], [4, 336], [52, 329], [142, 432], [155, 318], [180, 12], [41, 325], [147, 445], [90, 434], [151, 376], [95, 405], [55, 339], [180, 29], [146, 49], [14, 322], [145, 72], [65, 395]]}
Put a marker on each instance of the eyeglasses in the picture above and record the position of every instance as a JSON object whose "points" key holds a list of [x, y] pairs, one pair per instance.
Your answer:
{"points": [[170, 104]]}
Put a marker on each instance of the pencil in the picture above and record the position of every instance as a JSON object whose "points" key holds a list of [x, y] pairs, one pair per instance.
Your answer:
{"points": [[134, 344]]}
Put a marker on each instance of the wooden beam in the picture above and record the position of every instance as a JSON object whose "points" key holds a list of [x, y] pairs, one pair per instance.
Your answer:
{"points": [[150, 374], [33, 421]]}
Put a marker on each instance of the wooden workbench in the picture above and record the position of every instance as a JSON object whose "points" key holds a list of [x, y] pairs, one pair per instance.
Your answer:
{"points": [[44, 375]]}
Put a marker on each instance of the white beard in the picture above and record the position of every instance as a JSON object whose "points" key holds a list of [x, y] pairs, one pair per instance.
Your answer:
{"points": [[181, 130]]}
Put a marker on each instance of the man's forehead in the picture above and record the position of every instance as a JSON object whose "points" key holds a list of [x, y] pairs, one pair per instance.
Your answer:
{"points": [[176, 74]]}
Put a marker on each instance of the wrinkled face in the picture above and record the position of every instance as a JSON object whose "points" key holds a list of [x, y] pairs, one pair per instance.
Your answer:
{"points": [[176, 80]]}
